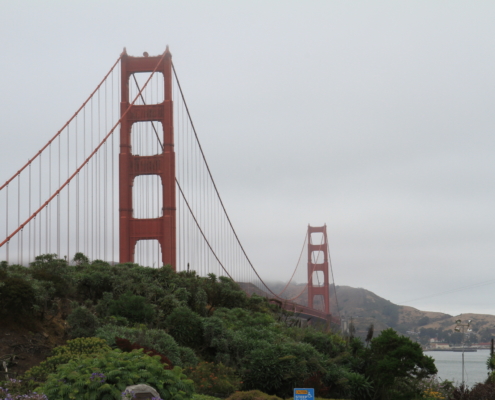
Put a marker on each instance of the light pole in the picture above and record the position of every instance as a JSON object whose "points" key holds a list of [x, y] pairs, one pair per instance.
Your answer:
{"points": [[459, 326]]}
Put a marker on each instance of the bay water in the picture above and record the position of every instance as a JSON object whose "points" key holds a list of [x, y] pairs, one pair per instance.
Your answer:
{"points": [[449, 365]]}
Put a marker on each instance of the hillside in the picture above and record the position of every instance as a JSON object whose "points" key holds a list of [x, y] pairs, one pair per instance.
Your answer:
{"points": [[363, 307]]}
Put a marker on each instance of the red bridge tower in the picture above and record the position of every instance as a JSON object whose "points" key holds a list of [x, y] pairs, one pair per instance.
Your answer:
{"points": [[318, 263], [130, 166]]}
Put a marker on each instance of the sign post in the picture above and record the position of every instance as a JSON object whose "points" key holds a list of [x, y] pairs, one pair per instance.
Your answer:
{"points": [[304, 394]]}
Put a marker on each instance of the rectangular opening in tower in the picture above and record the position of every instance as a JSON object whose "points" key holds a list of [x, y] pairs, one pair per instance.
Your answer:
{"points": [[317, 238], [317, 257], [146, 138], [153, 93], [318, 278], [147, 197], [148, 253]]}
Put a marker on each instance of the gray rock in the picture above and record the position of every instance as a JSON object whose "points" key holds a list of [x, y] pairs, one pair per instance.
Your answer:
{"points": [[142, 391]]}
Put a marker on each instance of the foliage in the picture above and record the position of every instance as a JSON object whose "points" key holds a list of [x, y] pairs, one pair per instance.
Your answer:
{"points": [[490, 363], [134, 308], [82, 322], [325, 343], [188, 357], [394, 359], [17, 294], [197, 396], [72, 350], [14, 389], [48, 267], [252, 395], [184, 317], [185, 327], [94, 280], [277, 368], [153, 338], [127, 346], [107, 376], [214, 379], [223, 292], [431, 387], [480, 391]]}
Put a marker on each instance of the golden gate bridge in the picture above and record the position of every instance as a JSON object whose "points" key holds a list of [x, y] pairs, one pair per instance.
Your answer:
{"points": [[133, 142]]}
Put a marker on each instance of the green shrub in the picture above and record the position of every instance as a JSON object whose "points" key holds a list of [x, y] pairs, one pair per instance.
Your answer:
{"points": [[214, 379], [17, 389], [106, 377], [17, 296], [197, 396], [325, 343], [185, 327], [72, 350], [153, 338], [94, 280], [82, 322], [276, 369], [134, 308], [188, 357], [252, 395], [49, 268]]}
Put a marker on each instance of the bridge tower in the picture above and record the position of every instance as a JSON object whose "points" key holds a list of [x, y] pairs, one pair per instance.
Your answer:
{"points": [[318, 262], [163, 228]]}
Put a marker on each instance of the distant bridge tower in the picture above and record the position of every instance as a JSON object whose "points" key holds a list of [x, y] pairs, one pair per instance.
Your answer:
{"points": [[318, 262], [163, 228]]}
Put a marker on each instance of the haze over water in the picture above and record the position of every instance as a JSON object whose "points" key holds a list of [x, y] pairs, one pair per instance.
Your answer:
{"points": [[449, 365]]}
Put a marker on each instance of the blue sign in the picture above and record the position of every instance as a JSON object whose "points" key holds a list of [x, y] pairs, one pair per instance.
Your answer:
{"points": [[304, 394]]}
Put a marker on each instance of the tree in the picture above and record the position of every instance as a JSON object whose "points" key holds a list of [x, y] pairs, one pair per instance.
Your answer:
{"points": [[392, 357]]}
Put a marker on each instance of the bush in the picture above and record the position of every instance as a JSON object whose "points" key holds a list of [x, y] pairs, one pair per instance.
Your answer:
{"points": [[127, 346], [17, 296], [73, 350], [185, 327], [82, 322], [214, 379], [480, 391], [252, 395], [188, 357], [107, 376], [134, 308], [152, 338], [278, 368], [15, 389], [197, 396], [325, 343]]}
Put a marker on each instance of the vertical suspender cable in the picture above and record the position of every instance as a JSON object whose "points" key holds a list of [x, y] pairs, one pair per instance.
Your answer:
{"points": [[68, 194], [7, 220], [29, 230], [58, 203], [77, 194], [19, 216], [105, 184], [39, 183], [98, 186], [112, 195], [49, 238]]}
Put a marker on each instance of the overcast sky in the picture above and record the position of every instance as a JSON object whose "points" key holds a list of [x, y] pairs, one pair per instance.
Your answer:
{"points": [[375, 118]]}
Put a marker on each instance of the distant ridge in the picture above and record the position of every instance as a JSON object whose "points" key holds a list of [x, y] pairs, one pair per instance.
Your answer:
{"points": [[363, 307]]}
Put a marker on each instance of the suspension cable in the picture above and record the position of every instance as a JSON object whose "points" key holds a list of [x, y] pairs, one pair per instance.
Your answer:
{"points": [[63, 127], [7, 239]]}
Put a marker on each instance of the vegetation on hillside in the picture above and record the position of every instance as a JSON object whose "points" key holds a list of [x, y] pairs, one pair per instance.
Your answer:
{"points": [[185, 334]]}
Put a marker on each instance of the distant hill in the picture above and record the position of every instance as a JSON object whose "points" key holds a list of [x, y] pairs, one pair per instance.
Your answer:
{"points": [[364, 307]]}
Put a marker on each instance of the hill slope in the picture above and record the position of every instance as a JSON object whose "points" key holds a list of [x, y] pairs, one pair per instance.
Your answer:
{"points": [[364, 307]]}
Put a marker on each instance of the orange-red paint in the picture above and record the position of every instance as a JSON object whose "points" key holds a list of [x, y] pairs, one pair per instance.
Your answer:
{"points": [[163, 228]]}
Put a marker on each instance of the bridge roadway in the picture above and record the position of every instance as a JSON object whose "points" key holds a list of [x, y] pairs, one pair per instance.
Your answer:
{"points": [[309, 313], [298, 309]]}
